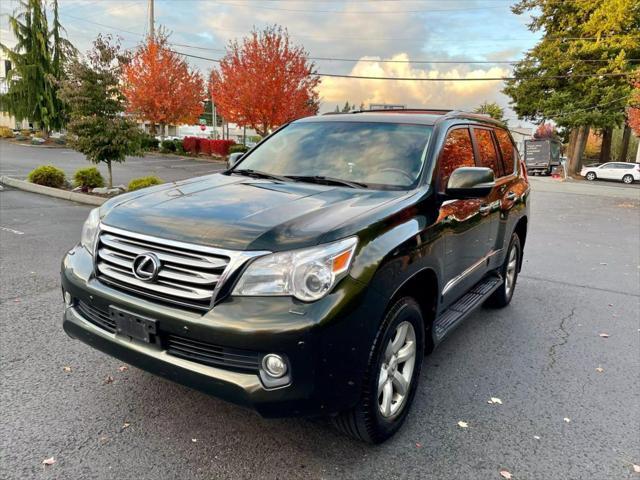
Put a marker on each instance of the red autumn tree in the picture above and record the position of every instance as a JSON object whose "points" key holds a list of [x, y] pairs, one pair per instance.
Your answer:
{"points": [[264, 81], [159, 86], [545, 130]]}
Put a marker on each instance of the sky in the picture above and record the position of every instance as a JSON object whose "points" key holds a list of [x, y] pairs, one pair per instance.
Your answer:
{"points": [[410, 32]]}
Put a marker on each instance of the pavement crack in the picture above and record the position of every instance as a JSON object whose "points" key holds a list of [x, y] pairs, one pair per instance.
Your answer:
{"points": [[564, 338]]}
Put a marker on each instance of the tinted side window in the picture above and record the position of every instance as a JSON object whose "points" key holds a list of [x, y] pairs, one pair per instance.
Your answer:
{"points": [[487, 151], [507, 150], [457, 152]]}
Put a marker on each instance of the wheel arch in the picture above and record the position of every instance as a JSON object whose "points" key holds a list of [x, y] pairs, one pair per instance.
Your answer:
{"points": [[521, 230], [423, 287]]}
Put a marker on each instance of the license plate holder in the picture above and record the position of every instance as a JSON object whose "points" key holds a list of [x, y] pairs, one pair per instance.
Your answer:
{"points": [[134, 326]]}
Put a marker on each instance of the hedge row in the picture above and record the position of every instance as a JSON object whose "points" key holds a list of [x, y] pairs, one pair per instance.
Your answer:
{"points": [[205, 146]]}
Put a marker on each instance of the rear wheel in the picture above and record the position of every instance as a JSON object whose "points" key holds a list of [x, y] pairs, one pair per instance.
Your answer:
{"points": [[591, 176], [628, 179], [509, 271], [392, 376]]}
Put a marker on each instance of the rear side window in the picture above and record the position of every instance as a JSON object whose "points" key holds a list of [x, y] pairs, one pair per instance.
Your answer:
{"points": [[487, 151], [457, 152], [507, 150]]}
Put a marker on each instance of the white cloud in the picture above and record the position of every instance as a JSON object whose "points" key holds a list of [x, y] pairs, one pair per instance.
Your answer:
{"points": [[445, 94]]}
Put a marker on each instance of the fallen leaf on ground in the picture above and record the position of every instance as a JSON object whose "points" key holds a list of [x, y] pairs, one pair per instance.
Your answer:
{"points": [[567, 420], [604, 335], [419, 445], [66, 369], [109, 379], [125, 425], [493, 400], [599, 369], [194, 440], [462, 424], [123, 368], [49, 461], [506, 474], [636, 468], [536, 437]]}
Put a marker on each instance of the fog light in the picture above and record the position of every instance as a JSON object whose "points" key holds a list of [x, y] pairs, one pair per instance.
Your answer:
{"points": [[67, 299], [274, 365]]}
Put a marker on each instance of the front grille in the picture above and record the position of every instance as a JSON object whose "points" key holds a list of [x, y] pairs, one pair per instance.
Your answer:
{"points": [[96, 316], [214, 355], [188, 274], [187, 348]]}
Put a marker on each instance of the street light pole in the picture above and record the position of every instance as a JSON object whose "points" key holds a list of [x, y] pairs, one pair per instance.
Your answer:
{"points": [[151, 20]]}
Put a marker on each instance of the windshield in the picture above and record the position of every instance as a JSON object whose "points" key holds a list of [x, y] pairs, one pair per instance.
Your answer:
{"points": [[378, 155]]}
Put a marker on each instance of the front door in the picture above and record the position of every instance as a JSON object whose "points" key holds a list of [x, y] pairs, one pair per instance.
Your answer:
{"points": [[463, 221]]}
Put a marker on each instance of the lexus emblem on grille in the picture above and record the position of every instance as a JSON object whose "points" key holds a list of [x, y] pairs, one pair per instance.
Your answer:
{"points": [[146, 266]]}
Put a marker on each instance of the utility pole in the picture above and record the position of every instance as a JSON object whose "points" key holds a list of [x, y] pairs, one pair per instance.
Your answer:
{"points": [[151, 19]]}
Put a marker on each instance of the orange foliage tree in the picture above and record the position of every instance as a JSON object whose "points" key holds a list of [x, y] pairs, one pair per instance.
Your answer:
{"points": [[159, 86], [633, 113], [265, 81]]}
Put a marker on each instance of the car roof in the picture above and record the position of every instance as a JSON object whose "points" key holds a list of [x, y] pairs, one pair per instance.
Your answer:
{"points": [[413, 116]]}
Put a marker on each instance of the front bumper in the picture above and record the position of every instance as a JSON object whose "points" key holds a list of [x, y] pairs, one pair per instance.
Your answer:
{"points": [[327, 349]]}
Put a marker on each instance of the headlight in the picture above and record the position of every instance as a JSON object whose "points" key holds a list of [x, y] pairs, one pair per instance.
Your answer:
{"points": [[307, 274], [90, 231]]}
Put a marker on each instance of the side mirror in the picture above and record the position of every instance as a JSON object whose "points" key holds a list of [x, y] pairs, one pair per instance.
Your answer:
{"points": [[470, 182], [234, 158]]}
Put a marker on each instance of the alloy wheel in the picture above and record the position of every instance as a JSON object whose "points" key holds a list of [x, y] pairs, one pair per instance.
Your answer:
{"points": [[512, 266], [396, 371]]}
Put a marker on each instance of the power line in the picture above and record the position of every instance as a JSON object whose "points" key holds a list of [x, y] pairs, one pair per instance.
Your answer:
{"points": [[355, 60], [428, 79]]}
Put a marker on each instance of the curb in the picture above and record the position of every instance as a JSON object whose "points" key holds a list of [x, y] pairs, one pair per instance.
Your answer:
{"points": [[52, 192]]}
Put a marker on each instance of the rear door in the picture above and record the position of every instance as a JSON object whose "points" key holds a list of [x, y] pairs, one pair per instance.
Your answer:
{"points": [[488, 156]]}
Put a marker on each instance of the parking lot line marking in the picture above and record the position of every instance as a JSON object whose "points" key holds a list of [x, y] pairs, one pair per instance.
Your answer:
{"points": [[7, 229]]}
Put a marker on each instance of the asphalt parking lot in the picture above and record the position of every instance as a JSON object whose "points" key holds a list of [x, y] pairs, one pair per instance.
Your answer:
{"points": [[570, 396]]}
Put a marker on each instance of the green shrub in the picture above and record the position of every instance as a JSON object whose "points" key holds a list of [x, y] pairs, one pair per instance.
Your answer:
{"points": [[238, 148], [143, 182], [47, 175], [39, 134], [148, 142], [168, 146], [87, 178], [60, 140], [179, 146], [25, 132]]}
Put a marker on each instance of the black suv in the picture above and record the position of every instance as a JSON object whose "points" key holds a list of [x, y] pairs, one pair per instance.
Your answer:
{"points": [[312, 276]]}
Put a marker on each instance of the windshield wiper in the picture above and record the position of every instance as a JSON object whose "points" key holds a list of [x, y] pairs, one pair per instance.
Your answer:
{"points": [[329, 181], [259, 174]]}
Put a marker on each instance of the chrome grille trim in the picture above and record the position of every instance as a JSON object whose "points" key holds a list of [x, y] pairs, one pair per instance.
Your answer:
{"points": [[190, 274]]}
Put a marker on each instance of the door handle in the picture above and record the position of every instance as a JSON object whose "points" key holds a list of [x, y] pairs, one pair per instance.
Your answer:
{"points": [[511, 196], [484, 209]]}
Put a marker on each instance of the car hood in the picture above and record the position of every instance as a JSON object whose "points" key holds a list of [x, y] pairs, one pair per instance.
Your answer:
{"points": [[240, 213]]}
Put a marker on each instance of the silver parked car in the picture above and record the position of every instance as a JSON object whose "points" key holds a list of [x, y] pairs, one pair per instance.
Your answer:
{"points": [[621, 171]]}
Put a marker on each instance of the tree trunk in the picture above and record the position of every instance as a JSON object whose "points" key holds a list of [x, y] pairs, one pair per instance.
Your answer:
{"points": [[110, 174], [605, 147], [638, 154], [575, 161], [572, 144], [626, 138]]}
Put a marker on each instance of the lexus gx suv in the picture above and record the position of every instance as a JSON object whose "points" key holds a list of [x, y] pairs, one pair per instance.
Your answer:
{"points": [[312, 276]]}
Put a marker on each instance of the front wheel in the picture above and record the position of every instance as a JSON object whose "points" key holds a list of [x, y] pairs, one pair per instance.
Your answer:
{"points": [[509, 271], [590, 176], [392, 376], [628, 179]]}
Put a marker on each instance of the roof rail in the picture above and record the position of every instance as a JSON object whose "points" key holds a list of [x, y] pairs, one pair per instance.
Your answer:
{"points": [[427, 111]]}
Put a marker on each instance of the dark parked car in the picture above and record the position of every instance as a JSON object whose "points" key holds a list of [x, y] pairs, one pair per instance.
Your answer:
{"points": [[313, 276]]}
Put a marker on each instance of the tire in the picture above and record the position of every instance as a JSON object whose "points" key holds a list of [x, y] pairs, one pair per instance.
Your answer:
{"points": [[591, 176], [509, 271], [628, 179], [366, 421]]}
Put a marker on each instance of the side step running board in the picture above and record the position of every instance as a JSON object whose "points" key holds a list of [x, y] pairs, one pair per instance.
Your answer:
{"points": [[453, 315]]}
